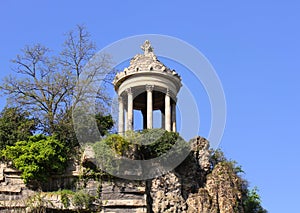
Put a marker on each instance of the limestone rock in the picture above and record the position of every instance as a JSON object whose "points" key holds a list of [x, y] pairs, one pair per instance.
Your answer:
{"points": [[89, 155], [224, 188], [166, 194], [199, 202], [200, 148]]}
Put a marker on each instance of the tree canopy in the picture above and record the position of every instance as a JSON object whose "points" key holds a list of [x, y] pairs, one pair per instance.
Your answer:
{"points": [[48, 85], [36, 132], [15, 125]]}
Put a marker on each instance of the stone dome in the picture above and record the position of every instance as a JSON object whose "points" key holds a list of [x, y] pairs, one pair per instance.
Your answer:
{"points": [[147, 64]]}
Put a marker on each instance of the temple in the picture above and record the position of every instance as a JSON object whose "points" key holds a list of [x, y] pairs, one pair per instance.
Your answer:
{"points": [[147, 85]]}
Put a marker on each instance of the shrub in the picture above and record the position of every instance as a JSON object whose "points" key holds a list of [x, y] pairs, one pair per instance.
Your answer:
{"points": [[252, 202], [82, 200], [37, 158]]}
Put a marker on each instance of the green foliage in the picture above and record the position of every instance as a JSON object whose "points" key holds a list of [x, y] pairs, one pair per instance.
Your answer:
{"points": [[219, 157], [38, 203], [37, 158], [117, 143], [147, 144], [135, 145], [162, 142], [89, 127], [236, 168], [65, 197], [252, 202], [216, 157], [82, 200], [64, 132], [107, 149], [104, 123], [104, 156], [15, 125]]}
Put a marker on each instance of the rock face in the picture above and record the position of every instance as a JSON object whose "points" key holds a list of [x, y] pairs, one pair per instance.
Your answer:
{"points": [[196, 185], [123, 196], [166, 194], [13, 191], [224, 189]]}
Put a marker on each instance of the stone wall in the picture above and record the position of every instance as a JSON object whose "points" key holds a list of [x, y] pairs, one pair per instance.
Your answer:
{"points": [[124, 196], [113, 195], [13, 191]]}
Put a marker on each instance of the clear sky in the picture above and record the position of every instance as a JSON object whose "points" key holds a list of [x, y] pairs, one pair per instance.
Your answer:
{"points": [[253, 45]]}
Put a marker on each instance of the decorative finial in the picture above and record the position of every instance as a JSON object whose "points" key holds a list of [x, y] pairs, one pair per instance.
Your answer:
{"points": [[147, 47]]}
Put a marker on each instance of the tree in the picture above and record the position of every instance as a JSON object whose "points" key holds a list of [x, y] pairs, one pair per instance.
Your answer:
{"points": [[49, 86], [252, 203], [38, 157], [15, 125], [104, 123], [90, 127]]}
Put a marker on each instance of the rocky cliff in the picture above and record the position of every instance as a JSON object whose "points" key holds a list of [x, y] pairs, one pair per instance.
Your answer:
{"points": [[202, 183], [198, 186]]}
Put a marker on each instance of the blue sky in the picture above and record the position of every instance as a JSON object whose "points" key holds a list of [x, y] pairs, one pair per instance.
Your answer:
{"points": [[254, 47]]}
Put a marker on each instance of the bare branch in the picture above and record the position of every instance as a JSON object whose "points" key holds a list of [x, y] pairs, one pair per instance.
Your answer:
{"points": [[45, 84]]}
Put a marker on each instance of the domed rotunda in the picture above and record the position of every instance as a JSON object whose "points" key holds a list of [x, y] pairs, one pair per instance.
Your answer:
{"points": [[147, 85]]}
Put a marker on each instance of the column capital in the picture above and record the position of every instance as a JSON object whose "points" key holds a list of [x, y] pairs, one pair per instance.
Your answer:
{"points": [[129, 91], [168, 92], [120, 99], [149, 88]]}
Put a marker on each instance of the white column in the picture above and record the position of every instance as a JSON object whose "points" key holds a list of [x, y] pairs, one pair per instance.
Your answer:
{"points": [[149, 89], [168, 111], [125, 119], [174, 117], [121, 116], [129, 109]]}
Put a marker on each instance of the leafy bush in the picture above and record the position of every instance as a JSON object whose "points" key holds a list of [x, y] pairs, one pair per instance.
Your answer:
{"points": [[65, 197], [147, 144], [252, 202], [219, 157], [117, 143], [107, 149], [15, 125], [82, 200], [37, 158], [159, 142]]}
